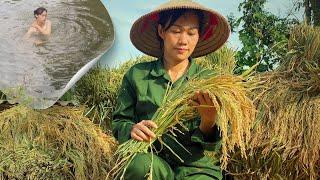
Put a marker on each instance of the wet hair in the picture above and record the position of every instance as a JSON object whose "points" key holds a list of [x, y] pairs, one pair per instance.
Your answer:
{"points": [[169, 17], [39, 11]]}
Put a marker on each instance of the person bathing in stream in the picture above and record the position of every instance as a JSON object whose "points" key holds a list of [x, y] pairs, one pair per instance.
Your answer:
{"points": [[41, 26]]}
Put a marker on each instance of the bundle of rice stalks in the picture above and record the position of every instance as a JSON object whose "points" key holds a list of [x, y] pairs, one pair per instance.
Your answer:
{"points": [[98, 90], [286, 139], [57, 143], [235, 113]]}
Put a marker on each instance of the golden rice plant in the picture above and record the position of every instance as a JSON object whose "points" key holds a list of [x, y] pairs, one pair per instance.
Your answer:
{"points": [[286, 139], [221, 61], [56, 143], [235, 114]]}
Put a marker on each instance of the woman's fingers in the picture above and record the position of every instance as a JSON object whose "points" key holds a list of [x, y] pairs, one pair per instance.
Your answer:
{"points": [[150, 123], [207, 99], [193, 103], [195, 97], [136, 137], [147, 131], [200, 97], [141, 131], [140, 134]]}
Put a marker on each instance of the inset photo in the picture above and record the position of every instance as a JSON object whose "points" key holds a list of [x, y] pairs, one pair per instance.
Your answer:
{"points": [[46, 46]]}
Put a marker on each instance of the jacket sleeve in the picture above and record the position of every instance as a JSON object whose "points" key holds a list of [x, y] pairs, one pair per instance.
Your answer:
{"points": [[209, 142], [123, 116]]}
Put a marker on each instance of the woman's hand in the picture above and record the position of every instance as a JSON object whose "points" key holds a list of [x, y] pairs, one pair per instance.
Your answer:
{"points": [[141, 131], [46, 30], [206, 109], [37, 27]]}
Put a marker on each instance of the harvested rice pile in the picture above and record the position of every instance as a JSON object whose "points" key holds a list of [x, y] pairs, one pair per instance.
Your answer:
{"points": [[235, 116], [286, 139], [57, 143]]}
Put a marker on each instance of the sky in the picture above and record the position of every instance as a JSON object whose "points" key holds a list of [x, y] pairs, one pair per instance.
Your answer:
{"points": [[124, 12]]}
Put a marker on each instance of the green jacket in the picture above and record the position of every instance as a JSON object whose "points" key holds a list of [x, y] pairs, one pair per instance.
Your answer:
{"points": [[143, 88], [140, 95]]}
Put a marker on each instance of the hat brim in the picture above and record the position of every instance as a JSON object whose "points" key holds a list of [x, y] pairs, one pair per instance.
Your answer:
{"points": [[143, 33]]}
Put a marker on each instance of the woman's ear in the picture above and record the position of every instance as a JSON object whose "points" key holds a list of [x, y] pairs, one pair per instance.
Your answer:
{"points": [[160, 31]]}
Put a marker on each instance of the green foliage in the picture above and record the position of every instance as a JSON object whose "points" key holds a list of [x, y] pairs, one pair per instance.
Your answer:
{"points": [[264, 36]]}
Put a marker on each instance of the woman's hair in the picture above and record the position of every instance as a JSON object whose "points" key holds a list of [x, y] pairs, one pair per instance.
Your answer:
{"points": [[39, 11], [169, 17]]}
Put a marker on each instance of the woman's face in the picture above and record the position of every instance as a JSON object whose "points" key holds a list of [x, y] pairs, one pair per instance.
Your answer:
{"points": [[42, 17], [181, 38]]}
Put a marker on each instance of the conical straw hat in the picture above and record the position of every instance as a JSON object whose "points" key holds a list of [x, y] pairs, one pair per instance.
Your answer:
{"points": [[143, 32]]}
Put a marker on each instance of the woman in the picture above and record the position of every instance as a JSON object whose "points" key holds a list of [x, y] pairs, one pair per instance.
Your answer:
{"points": [[40, 26], [175, 33]]}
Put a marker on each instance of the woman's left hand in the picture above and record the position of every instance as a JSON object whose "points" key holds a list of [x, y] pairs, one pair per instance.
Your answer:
{"points": [[206, 109]]}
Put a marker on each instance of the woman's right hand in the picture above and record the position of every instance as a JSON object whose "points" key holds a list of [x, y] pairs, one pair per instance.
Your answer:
{"points": [[141, 131]]}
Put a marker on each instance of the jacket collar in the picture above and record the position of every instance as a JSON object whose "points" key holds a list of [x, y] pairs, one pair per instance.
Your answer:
{"points": [[159, 70]]}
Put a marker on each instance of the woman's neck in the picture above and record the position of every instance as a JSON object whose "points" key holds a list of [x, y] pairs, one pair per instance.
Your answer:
{"points": [[175, 69]]}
